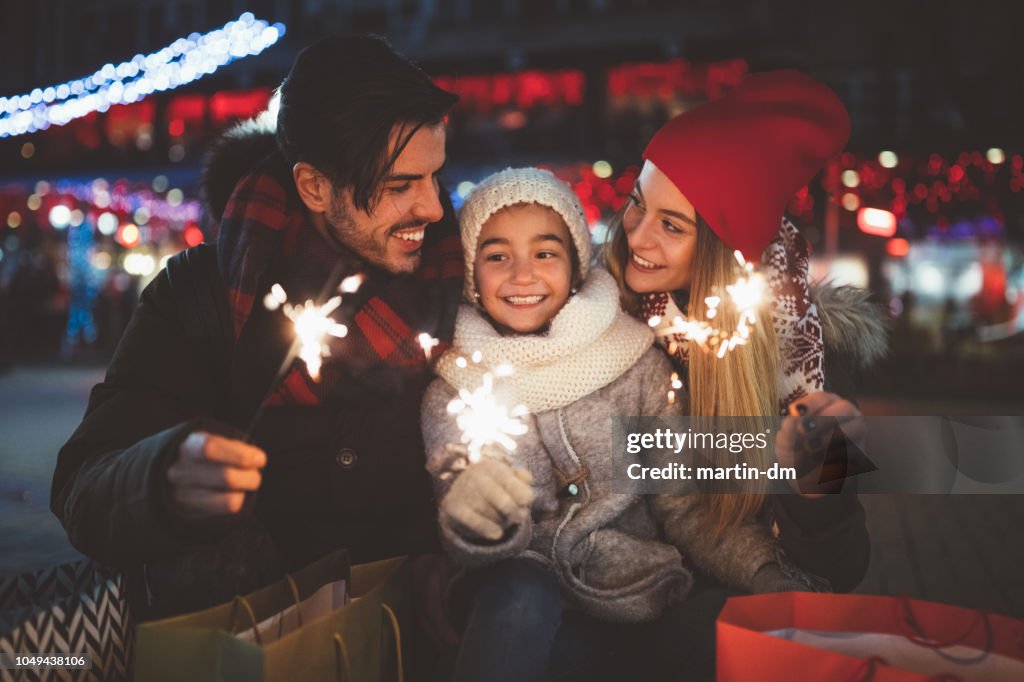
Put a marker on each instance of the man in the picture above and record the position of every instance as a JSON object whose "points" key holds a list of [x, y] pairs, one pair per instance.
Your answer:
{"points": [[159, 475]]}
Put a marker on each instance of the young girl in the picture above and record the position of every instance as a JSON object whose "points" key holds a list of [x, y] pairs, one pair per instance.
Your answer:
{"points": [[561, 561]]}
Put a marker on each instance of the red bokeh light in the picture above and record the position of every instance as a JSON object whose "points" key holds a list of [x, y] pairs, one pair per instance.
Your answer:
{"points": [[876, 221], [193, 235], [233, 105], [128, 236], [897, 248], [176, 128]]}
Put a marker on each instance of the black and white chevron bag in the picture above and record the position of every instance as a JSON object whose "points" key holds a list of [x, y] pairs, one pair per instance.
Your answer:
{"points": [[75, 608]]}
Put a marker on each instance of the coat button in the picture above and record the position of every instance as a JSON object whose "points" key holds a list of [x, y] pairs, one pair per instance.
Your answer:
{"points": [[346, 459]]}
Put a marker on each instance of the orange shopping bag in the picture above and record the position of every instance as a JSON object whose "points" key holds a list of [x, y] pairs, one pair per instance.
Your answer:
{"points": [[793, 636]]}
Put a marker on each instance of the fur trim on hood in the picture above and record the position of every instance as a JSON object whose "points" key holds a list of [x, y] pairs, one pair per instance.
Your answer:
{"points": [[235, 154], [853, 326]]}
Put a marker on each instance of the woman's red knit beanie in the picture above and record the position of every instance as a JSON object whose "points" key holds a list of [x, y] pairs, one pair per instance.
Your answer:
{"points": [[740, 159]]}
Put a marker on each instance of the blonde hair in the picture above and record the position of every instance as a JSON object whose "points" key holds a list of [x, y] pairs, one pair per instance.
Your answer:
{"points": [[742, 384]]}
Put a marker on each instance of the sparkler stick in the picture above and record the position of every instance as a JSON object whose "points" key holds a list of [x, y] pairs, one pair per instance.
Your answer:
{"points": [[312, 324]]}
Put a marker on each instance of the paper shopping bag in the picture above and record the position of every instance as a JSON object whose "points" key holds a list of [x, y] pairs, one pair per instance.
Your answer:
{"points": [[360, 641], [365, 636], [328, 598], [74, 608], [205, 645], [857, 638]]}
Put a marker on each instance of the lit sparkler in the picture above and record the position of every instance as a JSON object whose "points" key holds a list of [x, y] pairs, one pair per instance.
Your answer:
{"points": [[746, 294], [427, 343], [312, 323], [312, 326], [483, 420]]}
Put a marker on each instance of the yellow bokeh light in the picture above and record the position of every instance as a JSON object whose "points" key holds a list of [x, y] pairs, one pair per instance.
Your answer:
{"points": [[602, 169]]}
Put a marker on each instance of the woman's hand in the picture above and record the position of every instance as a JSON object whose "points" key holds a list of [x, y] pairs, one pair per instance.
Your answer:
{"points": [[487, 498], [816, 422]]}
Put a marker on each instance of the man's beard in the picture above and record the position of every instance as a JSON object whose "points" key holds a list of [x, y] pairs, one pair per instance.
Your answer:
{"points": [[344, 232]]}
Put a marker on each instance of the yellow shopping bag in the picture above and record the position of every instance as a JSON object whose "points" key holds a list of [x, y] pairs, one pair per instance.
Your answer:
{"points": [[265, 636]]}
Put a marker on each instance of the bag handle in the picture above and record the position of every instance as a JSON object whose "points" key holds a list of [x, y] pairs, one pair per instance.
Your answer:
{"points": [[343, 667], [341, 661], [905, 617], [295, 595], [398, 639], [867, 669], [298, 605], [239, 599]]}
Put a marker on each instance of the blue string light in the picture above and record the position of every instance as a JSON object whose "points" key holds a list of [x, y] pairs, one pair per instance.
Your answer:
{"points": [[183, 61]]}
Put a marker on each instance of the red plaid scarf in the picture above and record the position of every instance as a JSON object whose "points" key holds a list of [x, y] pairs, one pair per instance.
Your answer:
{"points": [[794, 318], [265, 237]]}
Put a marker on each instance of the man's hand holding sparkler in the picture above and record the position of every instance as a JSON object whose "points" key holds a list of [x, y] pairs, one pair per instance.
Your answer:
{"points": [[488, 497], [211, 474]]}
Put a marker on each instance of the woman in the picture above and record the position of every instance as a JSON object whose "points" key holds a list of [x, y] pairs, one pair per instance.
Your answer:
{"points": [[716, 180]]}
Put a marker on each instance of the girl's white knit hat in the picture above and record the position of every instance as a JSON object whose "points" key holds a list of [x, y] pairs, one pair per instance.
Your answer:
{"points": [[521, 186]]}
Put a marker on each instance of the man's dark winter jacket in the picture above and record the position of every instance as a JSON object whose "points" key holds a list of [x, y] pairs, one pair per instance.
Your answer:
{"points": [[347, 473]]}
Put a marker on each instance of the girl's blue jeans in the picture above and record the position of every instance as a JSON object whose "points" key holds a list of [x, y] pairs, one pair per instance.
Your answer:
{"points": [[518, 629]]}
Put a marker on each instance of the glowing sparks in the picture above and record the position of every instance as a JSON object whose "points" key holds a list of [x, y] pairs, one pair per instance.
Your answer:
{"points": [[485, 421], [275, 298], [427, 343], [504, 370], [351, 284], [745, 294], [312, 323]]}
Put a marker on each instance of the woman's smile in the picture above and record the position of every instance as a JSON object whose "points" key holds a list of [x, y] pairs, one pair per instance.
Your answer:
{"points": [[644, 265]]}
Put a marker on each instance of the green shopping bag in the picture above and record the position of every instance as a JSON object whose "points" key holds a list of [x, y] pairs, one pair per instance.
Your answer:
{"points": [[368, 644], [360, 641]]}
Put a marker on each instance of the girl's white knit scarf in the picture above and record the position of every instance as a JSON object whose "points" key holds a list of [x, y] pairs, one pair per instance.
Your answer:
{"points": [[590, 343]]}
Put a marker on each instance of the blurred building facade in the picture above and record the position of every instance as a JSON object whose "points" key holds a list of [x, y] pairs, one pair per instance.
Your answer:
{"points": [[935, 93], [911, 72]]}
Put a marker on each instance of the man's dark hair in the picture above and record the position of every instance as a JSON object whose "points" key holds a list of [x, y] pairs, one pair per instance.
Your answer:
{"points": [[339, 104]]}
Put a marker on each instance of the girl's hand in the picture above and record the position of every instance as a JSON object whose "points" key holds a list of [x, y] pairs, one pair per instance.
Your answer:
{"points": [[487, 498], [814, 423]]}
